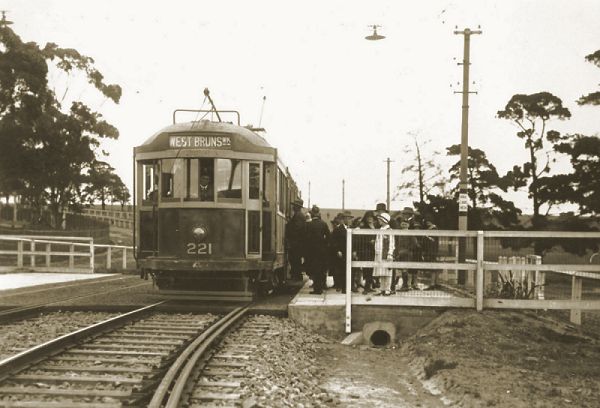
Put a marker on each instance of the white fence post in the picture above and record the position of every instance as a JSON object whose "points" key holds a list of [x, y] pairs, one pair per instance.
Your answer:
{"points": [[20, 254], [108, 257], [32, 250], [48, 250], [348, 281], [91, 256], [539, 277], [124, 258], [71, 256], [479, 278], [576, 289]]}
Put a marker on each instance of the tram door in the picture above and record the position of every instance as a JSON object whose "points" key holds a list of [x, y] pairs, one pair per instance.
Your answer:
{"points": [[147, 201], [254, 209]]}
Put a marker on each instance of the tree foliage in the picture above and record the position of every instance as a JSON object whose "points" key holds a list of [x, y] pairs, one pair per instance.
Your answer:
{"points": [[593, 98], [582, 185], [103, 185], [46, 148], [488, 210], [532, 113], [423, 175]]}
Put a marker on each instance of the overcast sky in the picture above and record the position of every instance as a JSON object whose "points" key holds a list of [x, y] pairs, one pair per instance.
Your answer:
{"points": [[337, 105]]}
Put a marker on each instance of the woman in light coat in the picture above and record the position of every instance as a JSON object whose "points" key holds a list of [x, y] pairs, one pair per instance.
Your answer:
{"points": [[384, 251]]}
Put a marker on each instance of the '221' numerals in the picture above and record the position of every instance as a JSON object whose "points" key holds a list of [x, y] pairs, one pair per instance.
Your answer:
{"points": [[199, 249]]}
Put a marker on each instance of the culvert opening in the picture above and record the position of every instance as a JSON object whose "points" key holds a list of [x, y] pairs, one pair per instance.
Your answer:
{"points": [[380, 338]]}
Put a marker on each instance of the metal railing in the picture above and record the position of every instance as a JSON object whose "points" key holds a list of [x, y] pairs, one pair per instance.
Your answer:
{"points": [[57, 254], [500, 269]]}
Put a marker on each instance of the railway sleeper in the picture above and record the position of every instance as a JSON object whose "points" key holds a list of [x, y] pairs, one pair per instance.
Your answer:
{"points": [[65, 392], [120, 340], [99, 369], [211, 396], [20, 378]]}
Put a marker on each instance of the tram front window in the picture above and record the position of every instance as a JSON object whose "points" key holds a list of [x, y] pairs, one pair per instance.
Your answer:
{"points": [[172, 178], [201, 179], [229, 180], [149, 183]]}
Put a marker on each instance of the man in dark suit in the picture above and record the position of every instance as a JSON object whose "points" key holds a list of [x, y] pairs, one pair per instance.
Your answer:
{"points": [[317, 240], [338, 248], [295, 231]]}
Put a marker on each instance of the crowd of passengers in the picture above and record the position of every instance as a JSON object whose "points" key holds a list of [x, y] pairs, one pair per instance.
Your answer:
{"points": [[315, 249]]}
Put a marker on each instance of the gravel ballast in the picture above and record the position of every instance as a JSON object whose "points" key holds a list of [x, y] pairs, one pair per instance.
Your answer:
{"points": [[18, 336]]}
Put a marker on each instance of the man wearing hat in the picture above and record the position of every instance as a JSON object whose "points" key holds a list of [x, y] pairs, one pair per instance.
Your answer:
{"points": [[295, 231], [338, 248], [316, 249]]}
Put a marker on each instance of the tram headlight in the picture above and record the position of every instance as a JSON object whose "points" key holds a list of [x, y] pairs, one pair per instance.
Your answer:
{"points": [[200, 233]]}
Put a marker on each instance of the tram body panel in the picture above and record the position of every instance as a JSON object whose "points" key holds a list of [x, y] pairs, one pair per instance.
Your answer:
{"points": [[212, 201]]}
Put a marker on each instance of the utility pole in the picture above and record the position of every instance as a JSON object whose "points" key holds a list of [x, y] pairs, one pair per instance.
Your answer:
{"points": [[343, 194], [387, 200], [463, 186]]}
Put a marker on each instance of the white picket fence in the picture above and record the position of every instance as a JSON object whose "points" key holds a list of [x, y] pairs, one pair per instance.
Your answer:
{"points": [[59, 254]]}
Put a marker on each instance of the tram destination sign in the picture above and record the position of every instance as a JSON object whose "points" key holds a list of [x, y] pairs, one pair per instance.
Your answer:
{"points": [[200, 142]]}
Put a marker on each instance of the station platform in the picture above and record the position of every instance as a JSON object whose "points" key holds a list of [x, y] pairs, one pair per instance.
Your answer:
{"points": [[407, 311], [9, 281]]}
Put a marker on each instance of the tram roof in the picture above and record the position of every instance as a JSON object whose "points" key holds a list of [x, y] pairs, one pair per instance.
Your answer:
{"points": [[242, 139]]}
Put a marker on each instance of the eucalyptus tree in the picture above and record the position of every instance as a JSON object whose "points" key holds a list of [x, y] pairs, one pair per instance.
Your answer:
{"points": [[46, 147], [532, 114]]}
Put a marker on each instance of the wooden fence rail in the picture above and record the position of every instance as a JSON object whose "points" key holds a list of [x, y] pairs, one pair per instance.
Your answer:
{"points": [[31, 247], [527, 270]]}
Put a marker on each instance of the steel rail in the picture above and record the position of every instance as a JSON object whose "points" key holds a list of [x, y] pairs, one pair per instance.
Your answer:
{"points": [[26, 358], [8, 315], [169, 392]]}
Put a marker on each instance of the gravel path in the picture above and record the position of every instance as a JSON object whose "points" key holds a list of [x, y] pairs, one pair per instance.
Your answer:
{"points": [[18, 336]]}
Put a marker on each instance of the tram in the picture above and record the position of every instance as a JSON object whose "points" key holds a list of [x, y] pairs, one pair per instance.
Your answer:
{"points": [[211, 203]]}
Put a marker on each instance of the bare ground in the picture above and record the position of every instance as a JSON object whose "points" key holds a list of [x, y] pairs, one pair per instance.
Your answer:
{"points": [[470, 359]]}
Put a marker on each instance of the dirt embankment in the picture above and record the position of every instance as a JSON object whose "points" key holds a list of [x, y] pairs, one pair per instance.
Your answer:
{"points": [[507, 359]]}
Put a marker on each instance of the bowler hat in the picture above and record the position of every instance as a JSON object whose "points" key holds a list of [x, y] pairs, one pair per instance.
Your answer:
{"points": [[347, 214], [315, 211], [408, 210], [298, 202], [381, 207]]}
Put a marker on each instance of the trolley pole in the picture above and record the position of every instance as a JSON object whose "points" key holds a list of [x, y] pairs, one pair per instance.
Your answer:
{"points": [[343, 194], [387, 199], [463, 186], [308, 195]]}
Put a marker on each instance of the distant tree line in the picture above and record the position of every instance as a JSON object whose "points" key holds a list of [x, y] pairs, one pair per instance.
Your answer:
{"points": [[50, 157], [489, 208]]}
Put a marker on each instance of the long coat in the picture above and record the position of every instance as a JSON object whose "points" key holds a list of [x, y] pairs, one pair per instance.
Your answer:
{"points": [[317, 243], [295, 233], [384, 250], [338, 243]]}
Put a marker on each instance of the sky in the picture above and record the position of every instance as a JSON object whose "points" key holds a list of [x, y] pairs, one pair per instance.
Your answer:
{"points": [[336, 105]]}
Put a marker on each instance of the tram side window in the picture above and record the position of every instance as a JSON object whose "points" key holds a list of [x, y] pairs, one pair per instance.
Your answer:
{"points": [[282, 192], [201, 179], [172, 178], [229, 180], [268, 188], [150, 182], [254, 182]]}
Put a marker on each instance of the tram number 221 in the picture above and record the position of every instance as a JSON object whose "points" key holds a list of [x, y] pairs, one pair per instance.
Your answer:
{"points": [[199, 249]]}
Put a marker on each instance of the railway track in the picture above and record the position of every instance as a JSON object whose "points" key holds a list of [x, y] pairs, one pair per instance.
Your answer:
{"points": [[20, 312], [212, 371], [110, 364]]}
